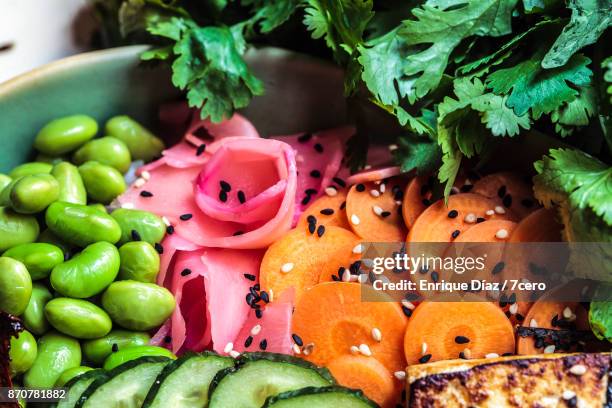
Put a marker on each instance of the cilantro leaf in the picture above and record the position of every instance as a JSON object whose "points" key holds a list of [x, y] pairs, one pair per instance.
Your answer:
{"points": [[418, 152], [270, 14], [538, 6], [607, 66], [531, 87], [443, 25], [575, 113], [589, 20], [600, 316]]}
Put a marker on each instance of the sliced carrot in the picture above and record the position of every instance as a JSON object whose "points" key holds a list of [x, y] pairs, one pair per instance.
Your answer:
{"points": [[539, 226], [510, 190], [333, 317], [374, 213], [445, 223], [416, 199], [299, 258], [488, 231], [443, 330], [517, 313], [328, 210], [369, 375]]}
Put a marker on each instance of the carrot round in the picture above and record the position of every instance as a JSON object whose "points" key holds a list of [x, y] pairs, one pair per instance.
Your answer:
{"points": [[369, 375], [328, 210], [334, 318], [510, 190], [445, 223], [298, 258], [416, 199], [488, 231], [374, 213], [443, 330], [539, 226]]}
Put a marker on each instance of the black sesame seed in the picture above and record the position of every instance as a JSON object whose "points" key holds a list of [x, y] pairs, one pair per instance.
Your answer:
{"points": [[311, 219], [354, 267], [479, 220], [519, 317], [250, 277], [425, 358], [406, 311], [453, 214], [167, 339], [507, 201], [248, 341], [264, 296], [222, 196], [186, 217], [263, 344], [527, 203], [312, 227], [461, 340], [327, 211], [310, 191], [321, 230], [241, 197], [238, 233], [318, 147], [341, 271], [398, 195], [250, 299], [343, 205], [201, 148], [115, 347], [360, 187], [503, 300], [435, 276], [225, 186], [297, 339], [135, 235], [305, 200], [258, 313], [462, 356], [501, 192], [315, 174], [455, 234], [145, 193], [304, 138], [159, 248], [498, 268], [203, 133], [385, 214], [186, 272], [335, 278], [339, 181], [512, 299], [572, 402], [170, 230]]}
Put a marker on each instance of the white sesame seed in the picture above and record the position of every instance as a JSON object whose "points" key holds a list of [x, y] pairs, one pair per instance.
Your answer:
{"points": [[375, 193], [397, 202], [346, 276], [500, 210], [567, 312], [376, 334], [358, 249], [501, 234], [392, 147], [568, 394], [308, 349], [234, 354], [470, 218], [407, 304], [353, 278], [513, 308], [331, 191], [354, 350], [166, 221], [423, 348], [271, 294], [549, 349], [490, 212], [355, 219], [287, 267], [492, 355], [362, 278], [228, 347], [382, 187], [578, 369], [127, 206], [255, 330], [377, 210], [296, 349], [139, 182], [145, 175], [365, 350], [533, 323], [467, 353], [400, 375], [455, 190]]}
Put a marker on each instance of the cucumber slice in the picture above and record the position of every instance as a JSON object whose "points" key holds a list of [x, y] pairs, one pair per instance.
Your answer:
{"points": [[320, 397], [76, 386], [124, 386], [260, 375], [185, 381]]}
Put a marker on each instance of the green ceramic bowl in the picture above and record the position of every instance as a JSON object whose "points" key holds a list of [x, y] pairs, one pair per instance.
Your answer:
{"points": [[301, 94]]}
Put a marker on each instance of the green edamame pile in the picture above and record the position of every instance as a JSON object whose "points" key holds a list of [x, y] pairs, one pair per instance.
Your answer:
{"points": [[70, 266]]}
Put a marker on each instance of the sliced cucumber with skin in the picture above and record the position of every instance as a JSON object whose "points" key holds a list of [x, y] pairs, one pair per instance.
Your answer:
{"points": [[185, 381], [320, 397], [76, 387], [260, 375], [125, 386]]}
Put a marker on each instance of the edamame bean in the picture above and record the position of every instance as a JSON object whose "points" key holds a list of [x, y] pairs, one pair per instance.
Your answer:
{"points": [[139, 262], [77, 318], [48, 237], [34, 316], [106, 150], [148, 226], [142, 143], [27, 169], [16, 228], [97, 350], [32, 194], [138, 305], [103, 183], [71, 187], [65, 134], [87, 273], [134, 352], [15, 286], [39, 258], [81, 225], [56, 354], [22, 353], [69, 374], [41, 157], [5, 193], [4, 181], [98, 206]]}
